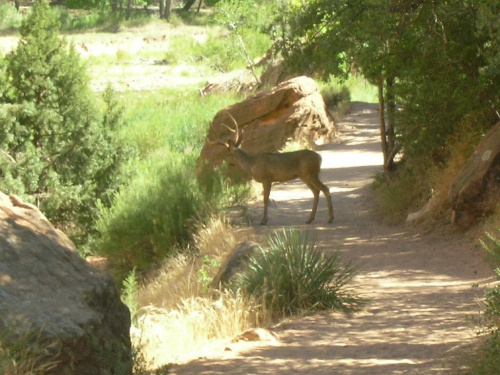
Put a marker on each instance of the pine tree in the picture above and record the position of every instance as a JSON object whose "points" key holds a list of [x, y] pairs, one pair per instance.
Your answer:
{"points": [[66, 157]]}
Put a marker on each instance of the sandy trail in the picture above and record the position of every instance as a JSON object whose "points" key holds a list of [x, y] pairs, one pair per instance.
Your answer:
{"points": [[420, 286]]}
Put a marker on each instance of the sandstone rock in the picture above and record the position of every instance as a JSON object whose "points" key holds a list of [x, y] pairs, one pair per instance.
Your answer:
{"points": [[293, 110], [46, 287], [475, 191], [234, 264]]}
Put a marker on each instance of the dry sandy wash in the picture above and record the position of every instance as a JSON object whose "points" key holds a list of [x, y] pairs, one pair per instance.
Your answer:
{"points": [[420, 286]]}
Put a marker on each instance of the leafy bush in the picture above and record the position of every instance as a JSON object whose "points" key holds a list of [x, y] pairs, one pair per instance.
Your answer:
{"points": [[10, 18], [61, 152], [292, 276], [151, 216], [487, 361], [492, 296], [395, 197]]}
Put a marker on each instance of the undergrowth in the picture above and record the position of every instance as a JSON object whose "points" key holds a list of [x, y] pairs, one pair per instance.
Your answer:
{"points": [[291, 275], [26, 354], [487, 359]]}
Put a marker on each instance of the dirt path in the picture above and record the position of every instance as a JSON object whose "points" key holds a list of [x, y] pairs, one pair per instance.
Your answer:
{"points": [[420, 286]]}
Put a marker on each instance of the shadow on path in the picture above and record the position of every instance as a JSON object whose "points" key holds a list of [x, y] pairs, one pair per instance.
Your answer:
{"points": [[420, 287]]}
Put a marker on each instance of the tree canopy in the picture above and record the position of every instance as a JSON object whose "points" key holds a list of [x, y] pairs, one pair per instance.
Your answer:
{"points": [[435, 62], [58, 148]]}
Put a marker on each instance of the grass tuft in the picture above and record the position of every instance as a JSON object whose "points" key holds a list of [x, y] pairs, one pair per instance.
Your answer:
{"points": [[292, 276]]}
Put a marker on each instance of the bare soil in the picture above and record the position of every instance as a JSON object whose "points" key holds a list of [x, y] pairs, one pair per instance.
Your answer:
{"points": [[421, 286]]}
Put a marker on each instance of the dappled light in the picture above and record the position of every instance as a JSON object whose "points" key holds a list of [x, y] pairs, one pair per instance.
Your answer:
{"points": [[422, 289]]}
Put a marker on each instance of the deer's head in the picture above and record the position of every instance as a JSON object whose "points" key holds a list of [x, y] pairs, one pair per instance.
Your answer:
{"points": [[232, 146]]}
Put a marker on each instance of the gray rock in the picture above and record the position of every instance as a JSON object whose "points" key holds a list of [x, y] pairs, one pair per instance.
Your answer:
{"points": [[46, 287], [234, 264]]}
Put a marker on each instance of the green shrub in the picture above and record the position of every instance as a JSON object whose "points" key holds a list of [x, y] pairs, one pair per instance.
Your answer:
{"points": [[129, 294], [293, 276], [10, 18], [152, 215], [492, 296], [65, 153], [398, 195], [487, 361]]}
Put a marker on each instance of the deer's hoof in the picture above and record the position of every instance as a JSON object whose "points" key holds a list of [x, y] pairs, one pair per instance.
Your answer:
{"points": [[330, 221]]}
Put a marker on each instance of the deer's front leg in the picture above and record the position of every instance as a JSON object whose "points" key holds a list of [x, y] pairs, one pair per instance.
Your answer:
{"points": [[267, 190], [315, 204]]}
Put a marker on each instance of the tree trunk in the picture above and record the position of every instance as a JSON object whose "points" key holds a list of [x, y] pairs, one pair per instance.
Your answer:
{"points": [[16, 4], [165, 9], [387, 107], [381, 116], [129, 9], [162, 8], [168, 9], [390, 101], [188, 5]]}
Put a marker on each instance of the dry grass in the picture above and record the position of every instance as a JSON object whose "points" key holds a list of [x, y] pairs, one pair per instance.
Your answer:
{"points": [[179, 277], [178, 321], [198, 327]]}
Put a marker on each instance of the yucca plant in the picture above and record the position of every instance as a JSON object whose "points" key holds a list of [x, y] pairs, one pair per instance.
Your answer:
{"points": [[293, 276]]}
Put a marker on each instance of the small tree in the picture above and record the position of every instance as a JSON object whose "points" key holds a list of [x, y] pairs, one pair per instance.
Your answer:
{"points": [[65, 156]]}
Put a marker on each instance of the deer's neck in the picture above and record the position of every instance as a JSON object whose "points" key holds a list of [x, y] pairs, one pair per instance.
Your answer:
{"points": [[244, 160]]}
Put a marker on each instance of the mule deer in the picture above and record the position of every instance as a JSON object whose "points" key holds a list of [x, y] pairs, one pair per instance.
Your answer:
{"points": [[267, 168]]}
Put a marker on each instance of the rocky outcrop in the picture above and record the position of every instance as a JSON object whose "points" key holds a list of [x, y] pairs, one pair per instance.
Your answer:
{"points": [[293, 110], [476, 188], [47, 288]]}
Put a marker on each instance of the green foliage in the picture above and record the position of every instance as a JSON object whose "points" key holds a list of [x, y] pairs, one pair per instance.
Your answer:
{"points": [[336, 95], [436, 65], [174, 119], [152, 215], [10, 19], [492, 296], [64, 154], [205, 276], [88, 4], [397, 196], [293, 276], [247, 23], [488, 362], [129, 294]]}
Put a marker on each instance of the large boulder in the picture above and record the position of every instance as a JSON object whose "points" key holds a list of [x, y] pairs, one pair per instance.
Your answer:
{"points": [[475, 191], [48, 289], [293, 110]]}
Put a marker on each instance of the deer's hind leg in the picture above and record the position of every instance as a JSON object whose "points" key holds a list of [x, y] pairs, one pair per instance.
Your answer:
{"points": [[315, 192], [319, 186], [266, 192]]}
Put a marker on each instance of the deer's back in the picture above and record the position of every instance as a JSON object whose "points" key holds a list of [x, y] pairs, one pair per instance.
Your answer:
{"points": [[286, 166]]}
